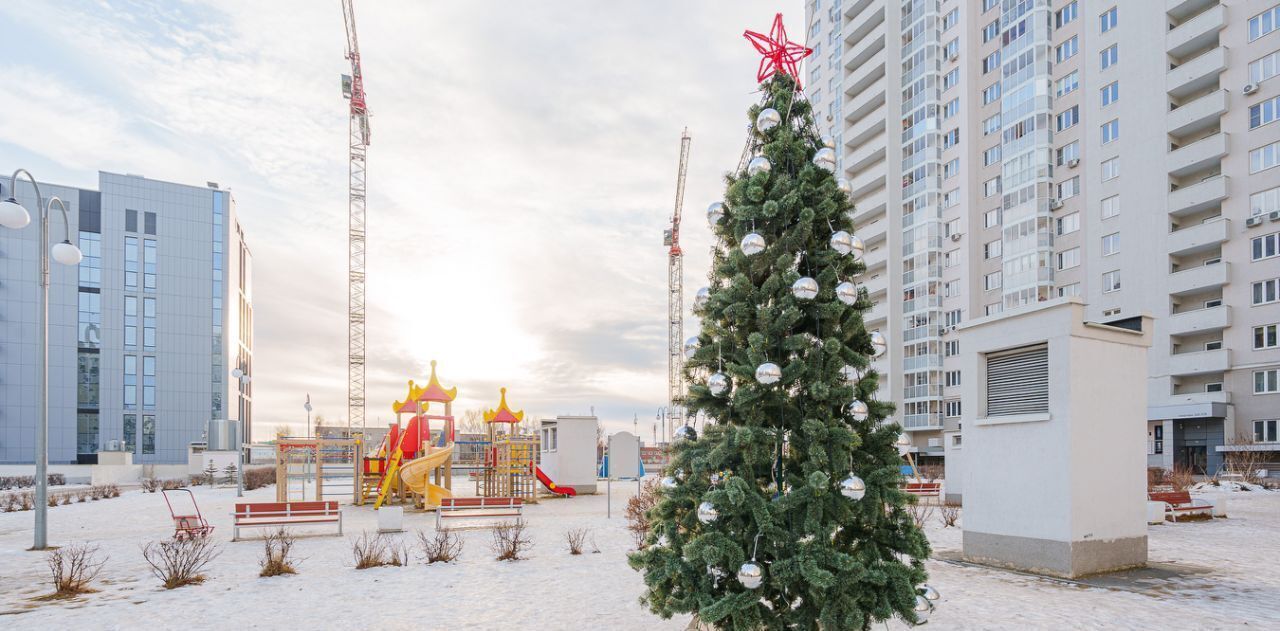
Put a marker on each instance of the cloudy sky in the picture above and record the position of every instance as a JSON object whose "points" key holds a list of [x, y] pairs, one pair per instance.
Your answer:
{"points": [[522, 170]]}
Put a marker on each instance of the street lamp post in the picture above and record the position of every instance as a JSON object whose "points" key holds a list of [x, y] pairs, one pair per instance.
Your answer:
{"points": [[13, 215], [240, 375]]}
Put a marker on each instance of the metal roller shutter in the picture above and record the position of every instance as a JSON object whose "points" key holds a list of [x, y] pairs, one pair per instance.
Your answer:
{"points": [[1018, 382]]}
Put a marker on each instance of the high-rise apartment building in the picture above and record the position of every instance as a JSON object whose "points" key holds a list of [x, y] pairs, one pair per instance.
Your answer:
{"points": [[143, 334], [1120, 152]]}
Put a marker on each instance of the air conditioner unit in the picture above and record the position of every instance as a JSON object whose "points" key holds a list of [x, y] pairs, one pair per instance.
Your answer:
{"points": [[1274, 215], [1253, 221], [1073, 163], [1250, 88], [953, 56], [113, 445], [956, 236], [1055, 204], [943, 332]]}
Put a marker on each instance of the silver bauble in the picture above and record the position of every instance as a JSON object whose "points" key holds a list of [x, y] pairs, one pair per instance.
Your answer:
{"points": [[878, 344], [847, 292], [828, 141], [767, 119], [707, 513], [804, 288], [844, 186], [691, 347], [668, 482], [715, 212], [718, 384], [929, 593], [750, 575], [842, 242], [759, 164], [684, 432], [768, 373], [825, 159], [859, 410], [922, 609], [752, 244], [857, 247], [701, 298], [853, 487]]}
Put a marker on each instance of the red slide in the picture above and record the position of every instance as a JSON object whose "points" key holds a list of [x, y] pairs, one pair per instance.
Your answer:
{"points": [[551, 486]]}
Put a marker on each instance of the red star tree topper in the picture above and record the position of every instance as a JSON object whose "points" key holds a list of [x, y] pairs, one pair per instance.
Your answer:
{"points": [[780, 54]]}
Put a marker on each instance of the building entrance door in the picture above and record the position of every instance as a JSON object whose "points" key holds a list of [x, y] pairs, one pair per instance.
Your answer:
{"points": [[1195, 457]]}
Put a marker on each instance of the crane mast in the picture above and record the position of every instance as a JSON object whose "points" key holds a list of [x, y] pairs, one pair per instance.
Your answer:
{"points": [[675, 298], [353, 90]]}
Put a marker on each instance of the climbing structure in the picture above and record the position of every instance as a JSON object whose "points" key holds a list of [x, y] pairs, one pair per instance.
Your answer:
{"points": [[414, 453], [510, 461]]}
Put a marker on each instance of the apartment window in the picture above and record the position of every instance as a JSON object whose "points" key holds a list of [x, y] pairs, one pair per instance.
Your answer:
{"points": [[130, 432], [951, 227], [131, 263], [991, 218], [951, 168], [1264, 247], [1069, 188], [951, 139], [1264, 112], [1068, 49], [952, 318], [991, 249], [149, 323], [130, 220], [1111, 312], [1110, 131], [130, 321], [148, 433], [89, 319], [951, 49], [1111, 281], [1110, 244], [130, 381], [952, 378], [1264, 23], [1264, 158], [949, 20], [992, 280], [1266, 381], [1107, 21], [1067, 15], [953, 408], [993, 308], [1265, 431], [1264, 337], [1110, 169], [1068, 118], [951, 348], [991, 31], [1111, 207], [1068, 223], [1018, 382], [1266, 291], [1069, 152], [987, 5], [1157, 442], [950, 79], [991, 62], [149, 223], [1069, 290], [149, 265], [991, 156], [991, 125], [991, 187], [951, 108], [1216, 302], [950, 198], [951, 289], [1068, 259], [1068, 84], [1110, 93], [1110, 56], [1264, 67], [991, 94], [951, 259], [149, 382], [91, 267]]}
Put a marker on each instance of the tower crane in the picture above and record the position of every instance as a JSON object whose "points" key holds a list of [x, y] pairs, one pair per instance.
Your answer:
{"points": [[353, 91], [675, 298]]}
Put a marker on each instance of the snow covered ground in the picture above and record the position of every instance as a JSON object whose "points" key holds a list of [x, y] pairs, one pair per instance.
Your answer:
{"points": [[1231, 577]]}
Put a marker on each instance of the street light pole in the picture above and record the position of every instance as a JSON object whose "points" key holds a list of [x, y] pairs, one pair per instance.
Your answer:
{"points": [[13, 215]]}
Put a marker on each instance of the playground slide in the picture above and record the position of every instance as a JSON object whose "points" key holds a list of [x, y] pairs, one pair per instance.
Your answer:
{"points": [[416, 474], [567, 491]]}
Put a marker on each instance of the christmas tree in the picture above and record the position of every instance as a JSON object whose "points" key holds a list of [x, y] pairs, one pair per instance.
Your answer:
{"points": [[786, 512]]}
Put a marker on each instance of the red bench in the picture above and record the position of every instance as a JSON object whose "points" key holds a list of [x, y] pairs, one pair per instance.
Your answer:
{"points": [[923, 489], [264, 514], [451, 507], [1180, 503]]}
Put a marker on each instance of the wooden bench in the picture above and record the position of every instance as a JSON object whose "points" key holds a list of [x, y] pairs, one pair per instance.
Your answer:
{"points": [[923, 489], [265, 514], [1180, 503], [451, 507]]}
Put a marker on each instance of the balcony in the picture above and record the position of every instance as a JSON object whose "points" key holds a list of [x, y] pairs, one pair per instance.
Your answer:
{"points": [[1177, 9], [868, 209], [1198, 115], [864, 50], [1198, 33], [864, 130], [863, 78], [876, 314], [853, 8], [1198, 156], [867, 181], [1200, 362], [1196, 74], [1199, 196], [1200, 320], [876, 259], [1199, 237], [876, 286], [868, 155], [860, 30], [1183, 398], [921, 422], [1199, 278]]}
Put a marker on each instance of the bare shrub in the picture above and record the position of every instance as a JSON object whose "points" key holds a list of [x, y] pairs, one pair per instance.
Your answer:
{"points": [[920, 513], [1157, 478], [52, 501], [259, 477], [637, 511], [510, 540], [82, 496], [950, 514], [442, 546], [26, 501], [378, 551], [930, 472], [66, 498], [173, 484], [73, 568], [1181, 477], [150, 485], [277, 554], [576, 537], [57, 479], [196, 480], [179, 562], [1247, 460]]}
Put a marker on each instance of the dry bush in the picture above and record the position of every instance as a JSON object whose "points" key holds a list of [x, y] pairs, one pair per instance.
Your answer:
{"points": [[57, 479], [195, 480], [82, 496], [950, 514], [920, 513], [277, 553], [73, 568], [179, 562], [510, 540], [1245, 463], [576, 537], [378, 551], [173, 484], [443, 546], [637, 511], [1181, 477], [930, 472], [26, 500], [259, 477], [150, 485], [66, 498], [1157, 477], [52, 501]]}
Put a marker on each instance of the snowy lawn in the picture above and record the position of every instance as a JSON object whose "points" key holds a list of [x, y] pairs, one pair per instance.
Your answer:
{"points": [[1239, 585]]}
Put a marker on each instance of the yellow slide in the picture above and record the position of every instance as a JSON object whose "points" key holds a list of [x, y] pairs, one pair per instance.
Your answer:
{"points": [[416, 475]]}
